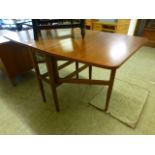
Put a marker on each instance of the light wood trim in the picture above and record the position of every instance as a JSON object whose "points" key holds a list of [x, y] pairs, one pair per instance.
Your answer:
{"points": [[77, 71], [65, 64]]}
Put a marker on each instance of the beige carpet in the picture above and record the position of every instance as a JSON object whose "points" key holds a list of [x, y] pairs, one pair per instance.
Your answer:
{"points": [[126, 103], [22, 110]]}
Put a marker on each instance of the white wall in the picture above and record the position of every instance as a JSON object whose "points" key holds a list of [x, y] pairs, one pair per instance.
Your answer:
{"points": [[132, 26]]}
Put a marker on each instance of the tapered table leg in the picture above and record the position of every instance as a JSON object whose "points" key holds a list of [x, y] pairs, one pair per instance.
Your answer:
{"points": [[82, 27], [52, 70], [77, 66], [112, 78], [36, 67], [90, 72]]}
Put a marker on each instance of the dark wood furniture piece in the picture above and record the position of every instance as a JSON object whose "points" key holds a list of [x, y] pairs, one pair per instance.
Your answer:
{"points": [[146, 28], [14, 59], [43, 24], [99, 49]]}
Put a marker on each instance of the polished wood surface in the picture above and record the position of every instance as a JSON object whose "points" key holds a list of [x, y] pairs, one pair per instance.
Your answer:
{"points": [[100, 49], [97, 48]]}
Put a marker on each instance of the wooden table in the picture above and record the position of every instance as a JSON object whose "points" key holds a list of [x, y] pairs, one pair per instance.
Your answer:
{"points": [[105, 50]]}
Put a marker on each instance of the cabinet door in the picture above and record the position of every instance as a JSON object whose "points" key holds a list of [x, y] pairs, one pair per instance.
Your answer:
{"points": [[97, 26], [15, 58], [123, 26]]}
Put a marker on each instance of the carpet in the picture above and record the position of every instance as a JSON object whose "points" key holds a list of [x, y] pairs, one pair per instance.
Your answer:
{"points": [[22, 110], [126, 104]]}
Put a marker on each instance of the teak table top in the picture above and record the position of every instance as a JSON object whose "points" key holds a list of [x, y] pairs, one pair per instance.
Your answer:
{"points": [[102, 49]]}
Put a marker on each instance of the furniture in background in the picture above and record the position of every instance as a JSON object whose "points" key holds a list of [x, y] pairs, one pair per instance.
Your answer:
{"points": [[146, 28], [89, 23], [109, 25], [123, 26], [43, 24], [14, 59], [96, 49], [15, 24], [105, 26]]}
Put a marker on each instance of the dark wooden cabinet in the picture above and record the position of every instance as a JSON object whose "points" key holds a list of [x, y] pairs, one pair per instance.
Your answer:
{"points": [[14, 60]]}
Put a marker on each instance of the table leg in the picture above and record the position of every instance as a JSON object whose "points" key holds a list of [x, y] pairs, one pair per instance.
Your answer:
{"points": [[77, 66], [90, 72], [35, 29], [112, 78], [53, 76], [82, 24], [36, 67]]}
